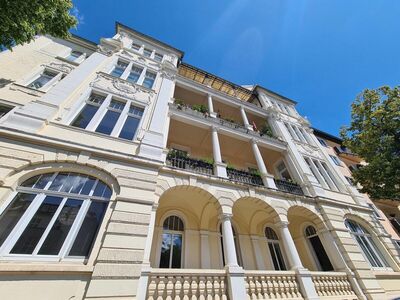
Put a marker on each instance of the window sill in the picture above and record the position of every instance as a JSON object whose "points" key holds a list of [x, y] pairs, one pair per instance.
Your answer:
{"points": [[68, 61], [12, 266], [145, 89], [27, 90]]}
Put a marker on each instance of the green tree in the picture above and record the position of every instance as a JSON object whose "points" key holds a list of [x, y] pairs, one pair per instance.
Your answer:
{"points": [[21, 20], [374, 135]]}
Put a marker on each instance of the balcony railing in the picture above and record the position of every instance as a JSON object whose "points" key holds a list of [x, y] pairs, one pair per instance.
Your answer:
{"points": [[332, 285], [289, 187], [227, 123], [190, 164], [244, 177]]}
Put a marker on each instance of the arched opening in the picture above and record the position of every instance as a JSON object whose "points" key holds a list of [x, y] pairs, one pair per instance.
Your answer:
{"points": [[306, 229], [186, 233], [366, 244], [54, 215], [260, 248], [318, 250]]}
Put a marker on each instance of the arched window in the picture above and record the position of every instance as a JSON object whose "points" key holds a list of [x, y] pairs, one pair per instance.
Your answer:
{"points": [[366, 243], [172, 241], [275, 249], [318, 249], [237, 247], [54, 215]]}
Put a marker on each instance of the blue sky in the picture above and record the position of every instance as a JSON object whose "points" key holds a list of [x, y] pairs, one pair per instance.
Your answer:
{"points": [[319, 53]]}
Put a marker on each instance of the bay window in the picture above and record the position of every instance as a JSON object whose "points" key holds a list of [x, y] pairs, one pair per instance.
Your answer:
{"points": [[54, 215]]}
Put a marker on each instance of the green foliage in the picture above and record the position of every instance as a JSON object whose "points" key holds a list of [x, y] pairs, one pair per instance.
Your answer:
{"points": [[200, 108], [21, 20], [179, 102], [174, 153], [374, 135], [208, 160], [266, 130]]}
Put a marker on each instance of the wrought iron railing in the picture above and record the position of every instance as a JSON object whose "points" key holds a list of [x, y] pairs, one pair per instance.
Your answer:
{"points": [[244, 177], [190, 164], [288, 187]]}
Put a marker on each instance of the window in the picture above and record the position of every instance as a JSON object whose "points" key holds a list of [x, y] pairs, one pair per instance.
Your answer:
{"points": [[335, 160], [172, 243], [158, 56], [322, 142], [147, 52], [135, 46], [274, 249], [318, 249], [43, 79], [89, 110], [54, 215], [349, 180], [119, 68], [375, 211], [237, 247], [134, 75], [367, 245], [120, 119], [330, 175], [74, 56], [4, 109], [283, 171], [395, 223], [149, 80]]}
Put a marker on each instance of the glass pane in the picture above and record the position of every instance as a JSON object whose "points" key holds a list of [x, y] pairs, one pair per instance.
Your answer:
{"points": [[366, 251], [149, 80], [85, 116], [59, 181], [69, 182], [58, 233], [44, 78], [273, 256], [374, 251], [38, 224], [176, 251], [134, 74], [13, 213], [88, 231], [279, 257], [79, 182], [147, 52], [43, 180], [31, 181], [165, 250], [129, 129], [107, 124], [88, 186], [102, 190], [319, 251]]}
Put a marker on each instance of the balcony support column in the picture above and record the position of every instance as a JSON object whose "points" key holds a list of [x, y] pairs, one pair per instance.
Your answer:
{"points": [[267, 178], [211, 111], [235, 273], [219, 166], [245, 120], [303, 275]]}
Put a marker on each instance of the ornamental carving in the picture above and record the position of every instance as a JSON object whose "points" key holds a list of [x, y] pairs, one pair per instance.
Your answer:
{"points": [[168, 74], [65, 68], [309, 150], [122, 88]]}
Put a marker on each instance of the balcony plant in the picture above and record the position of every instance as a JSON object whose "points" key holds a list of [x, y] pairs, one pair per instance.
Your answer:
{"points": [[179, 103], [200, 108], [266, 130]]}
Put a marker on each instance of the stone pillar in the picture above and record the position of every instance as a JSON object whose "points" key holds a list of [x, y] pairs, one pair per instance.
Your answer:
{"points": [[235, 274], [219, 166], [145, 272], [267, 178], [211, 111], [245, 120], [205, 250], [255, 240]]}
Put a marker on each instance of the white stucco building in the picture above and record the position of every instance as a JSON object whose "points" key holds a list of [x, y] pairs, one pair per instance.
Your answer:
{"points": [[126, 173]]}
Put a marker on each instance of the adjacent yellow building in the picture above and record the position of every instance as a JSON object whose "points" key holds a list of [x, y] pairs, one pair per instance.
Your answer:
{"points": [[127, 173]]}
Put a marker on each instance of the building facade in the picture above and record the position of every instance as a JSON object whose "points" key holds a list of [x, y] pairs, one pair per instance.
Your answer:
{"points": [[128, 174]]}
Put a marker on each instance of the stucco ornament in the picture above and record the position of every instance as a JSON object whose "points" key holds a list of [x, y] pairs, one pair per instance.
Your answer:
{"points": [[65, 68], [308, 150], [109, 46]]}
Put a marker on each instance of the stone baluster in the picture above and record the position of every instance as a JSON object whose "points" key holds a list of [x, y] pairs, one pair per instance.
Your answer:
{"points": [[216, 288], [194, 288], [252, 288], [223, 289], [270, 287], [178, 288], [161, 288], [264, 288], [258, 287], [209, 288], [296, 287], [202, 288], [185, 288], [169, 288], [152, 289]]}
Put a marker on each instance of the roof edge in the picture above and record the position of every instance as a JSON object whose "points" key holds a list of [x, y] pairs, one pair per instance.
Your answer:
{"points": [[87, 43], [274, 93], [120, 25], [328, 136]]}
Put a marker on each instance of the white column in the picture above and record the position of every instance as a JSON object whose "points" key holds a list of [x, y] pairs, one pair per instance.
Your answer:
{"points": [[219, 166], [245, 120], [289, 247], [255, 240], [267, 178], [211, 111], [205, 250], [145, 272]]}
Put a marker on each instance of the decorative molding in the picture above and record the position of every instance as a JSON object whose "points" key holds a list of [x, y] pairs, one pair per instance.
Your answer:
{"points": [[166, 73], [26, 90], [62, 67], [122, 87], [109, 46], [309, 150]]}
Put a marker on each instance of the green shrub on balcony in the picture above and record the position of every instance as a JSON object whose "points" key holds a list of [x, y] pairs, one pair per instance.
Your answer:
{"points": [[266, 130], [174, 153], [200, 108]]}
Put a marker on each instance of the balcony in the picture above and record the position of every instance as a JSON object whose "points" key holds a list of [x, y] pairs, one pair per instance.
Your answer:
{"points": [[244, 177], [175, 160], [289, 187], [201, 112]]}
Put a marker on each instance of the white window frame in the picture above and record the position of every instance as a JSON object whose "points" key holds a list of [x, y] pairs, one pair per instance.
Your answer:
{"points": [[335, 160], [322, 142], [375, 210], [78, 59], [279, 173], [52, 82], [275, 242], [26, 217], [102, 110]]}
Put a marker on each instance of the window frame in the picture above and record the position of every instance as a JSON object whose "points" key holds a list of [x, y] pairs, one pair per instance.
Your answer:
{"points": [[52, 82], [172, 232], [335, 160], [274, 243], [11, 108], [78, 59], [102, 110], [322, 142], [311, 250], [27, 216]]}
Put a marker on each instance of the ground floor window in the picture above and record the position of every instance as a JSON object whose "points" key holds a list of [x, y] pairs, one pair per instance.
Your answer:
{"points": [[275, 249], [172, 243], [318, 249]]}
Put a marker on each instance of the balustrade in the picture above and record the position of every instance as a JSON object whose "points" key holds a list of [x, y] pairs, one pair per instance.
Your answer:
{"points": [[333, 285], [290, 187], [272, 285], [244, 177], [187, 284], [191, 164]]}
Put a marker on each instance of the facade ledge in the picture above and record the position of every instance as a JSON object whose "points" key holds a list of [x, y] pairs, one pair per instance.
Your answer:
{"points": [[27, 90], [67, 61], [13, 267]]}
